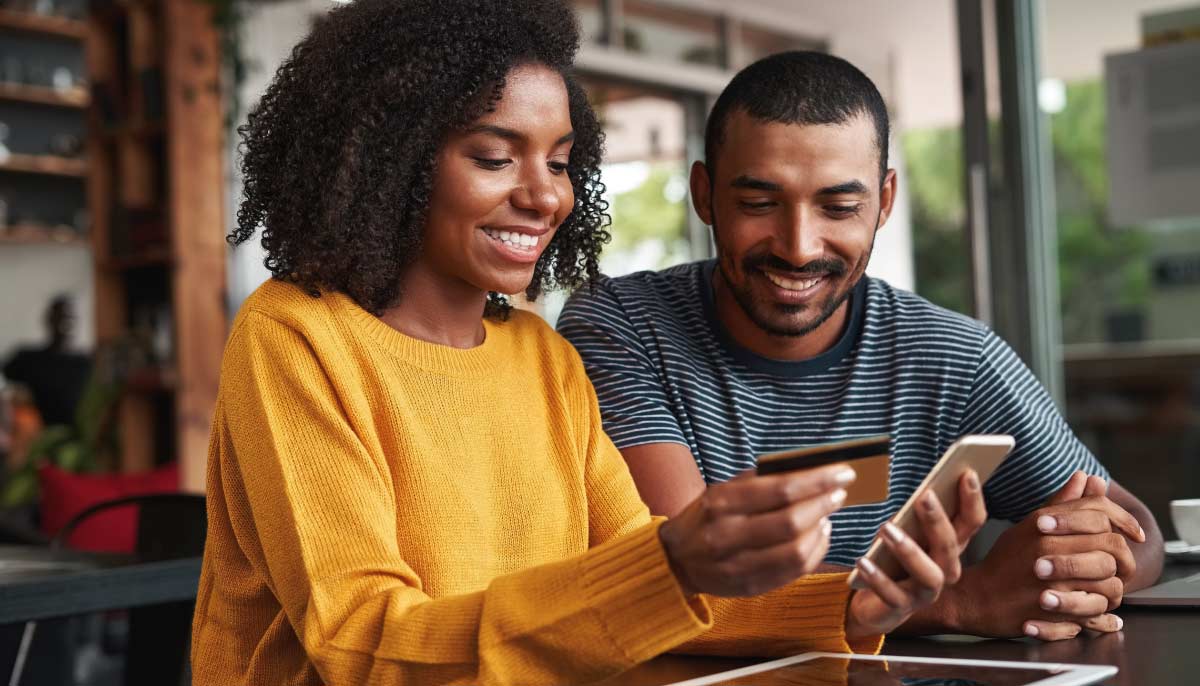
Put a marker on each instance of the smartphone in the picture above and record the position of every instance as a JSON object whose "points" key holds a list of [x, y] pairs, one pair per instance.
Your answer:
{"points": [[869, 457], [983, 453]]}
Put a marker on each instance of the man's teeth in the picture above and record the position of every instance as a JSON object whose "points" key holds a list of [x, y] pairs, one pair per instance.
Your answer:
{"points": [[792, 284], [512, 238]]}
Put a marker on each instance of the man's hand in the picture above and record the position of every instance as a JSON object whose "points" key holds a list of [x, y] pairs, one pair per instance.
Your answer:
{"points": [[1061, 570], [886, 604], [755, 533]]}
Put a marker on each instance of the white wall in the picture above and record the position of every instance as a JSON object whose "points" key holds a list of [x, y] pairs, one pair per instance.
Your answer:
{"points": [[30, 276]]}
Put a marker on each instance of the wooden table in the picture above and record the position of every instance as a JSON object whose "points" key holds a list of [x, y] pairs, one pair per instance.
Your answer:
{"points": [[1158, 647], [37, 583]]}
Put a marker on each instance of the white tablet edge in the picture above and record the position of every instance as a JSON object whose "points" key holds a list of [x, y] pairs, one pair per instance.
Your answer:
{"points": [[1079, 675]]}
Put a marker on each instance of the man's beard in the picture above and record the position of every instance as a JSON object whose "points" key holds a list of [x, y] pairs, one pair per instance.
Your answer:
{"points": [[761, 312]]}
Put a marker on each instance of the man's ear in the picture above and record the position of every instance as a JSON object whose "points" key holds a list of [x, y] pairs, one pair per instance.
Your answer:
{"points": [[701, 186], [887, 196]]}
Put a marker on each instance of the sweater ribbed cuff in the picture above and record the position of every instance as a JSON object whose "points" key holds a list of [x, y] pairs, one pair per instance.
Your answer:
{"points": [[639, 599]]}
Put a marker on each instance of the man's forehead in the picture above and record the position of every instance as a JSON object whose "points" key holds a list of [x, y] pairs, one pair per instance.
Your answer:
{"points": [[755, 143]]}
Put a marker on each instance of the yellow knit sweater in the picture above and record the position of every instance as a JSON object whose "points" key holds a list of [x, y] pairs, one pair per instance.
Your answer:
{"points": [[384, 510]]}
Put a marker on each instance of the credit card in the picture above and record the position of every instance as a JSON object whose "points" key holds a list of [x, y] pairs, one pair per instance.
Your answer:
{"points": [[869, 457]]}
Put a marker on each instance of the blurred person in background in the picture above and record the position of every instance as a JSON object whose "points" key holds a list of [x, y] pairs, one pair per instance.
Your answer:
{"points": [[53, 373]]}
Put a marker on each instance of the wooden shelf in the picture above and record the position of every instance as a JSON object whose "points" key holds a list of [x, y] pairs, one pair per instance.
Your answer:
{"points": [[155, 257], [40, 95], [50, 165], [27, 233], [43, 24]]}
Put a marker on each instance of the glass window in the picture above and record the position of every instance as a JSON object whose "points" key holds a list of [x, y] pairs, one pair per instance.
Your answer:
{"points": [[678, 35], [1129, 270]]}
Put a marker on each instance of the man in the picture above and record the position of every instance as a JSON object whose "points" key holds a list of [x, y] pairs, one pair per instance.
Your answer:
{"points": [[54, 374], [782, 342]]}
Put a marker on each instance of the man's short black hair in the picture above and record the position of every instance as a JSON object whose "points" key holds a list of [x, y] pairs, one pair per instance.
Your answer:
{"points": [[799, 87]]}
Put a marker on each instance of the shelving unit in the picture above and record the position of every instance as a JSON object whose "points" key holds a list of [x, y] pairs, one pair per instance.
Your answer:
{"points": [[155, 194], [75, 98], [36, 23]]}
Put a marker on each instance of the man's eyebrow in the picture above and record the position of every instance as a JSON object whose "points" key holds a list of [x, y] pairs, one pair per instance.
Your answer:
{"points": [[511, 135], [847, 188], [752, 183]]}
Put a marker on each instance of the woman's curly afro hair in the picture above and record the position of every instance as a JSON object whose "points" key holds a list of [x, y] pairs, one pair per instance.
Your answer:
{"points": [[338, 157]]}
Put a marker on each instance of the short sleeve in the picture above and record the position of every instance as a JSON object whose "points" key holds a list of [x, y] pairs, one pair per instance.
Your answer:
{"points": [[1006, 398], [629, 384]]}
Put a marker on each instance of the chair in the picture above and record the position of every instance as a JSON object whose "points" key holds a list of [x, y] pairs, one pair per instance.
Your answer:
{"points": [[170, 525]]}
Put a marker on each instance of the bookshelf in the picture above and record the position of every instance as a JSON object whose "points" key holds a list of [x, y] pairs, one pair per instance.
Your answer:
{"points": [[155, 193]]}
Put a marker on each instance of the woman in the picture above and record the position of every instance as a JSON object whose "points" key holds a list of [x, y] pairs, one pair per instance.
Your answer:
{"points": [[408, 482]]}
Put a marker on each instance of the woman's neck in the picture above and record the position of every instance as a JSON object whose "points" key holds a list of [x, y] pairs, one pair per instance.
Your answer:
{"points": [[438, 309]]}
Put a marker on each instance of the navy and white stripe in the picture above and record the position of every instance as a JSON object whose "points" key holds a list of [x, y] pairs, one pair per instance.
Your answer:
{"points": [[666, 371]]}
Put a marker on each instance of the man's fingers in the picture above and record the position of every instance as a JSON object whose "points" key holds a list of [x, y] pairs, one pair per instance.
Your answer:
{"points": [[1071, 490], [940, 536], [1095, 486], [1074, 522], [765, 493], [730, 535], [1073, 603], [1107, 623], [1051, 631], [1119, 516], [1094, 565], [1112, 588], [972, 512]]}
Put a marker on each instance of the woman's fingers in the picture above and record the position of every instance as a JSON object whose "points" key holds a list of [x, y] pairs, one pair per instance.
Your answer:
{"points": [[972, 511], [733, 534], [883, 586], [941, 536], [755, 571], [924, 572], [753, 495]]}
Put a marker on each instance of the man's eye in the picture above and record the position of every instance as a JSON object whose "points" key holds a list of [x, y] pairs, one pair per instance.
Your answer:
{"points": [[491, 163], [843, 210], [752, 206]]}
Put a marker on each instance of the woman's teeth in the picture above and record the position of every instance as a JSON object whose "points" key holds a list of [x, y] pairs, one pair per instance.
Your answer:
{"points": [[792, 284], [512, 238]]}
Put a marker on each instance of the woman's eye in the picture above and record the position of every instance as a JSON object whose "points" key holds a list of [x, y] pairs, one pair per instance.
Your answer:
{"points": [[492, 163], [558, 167]]}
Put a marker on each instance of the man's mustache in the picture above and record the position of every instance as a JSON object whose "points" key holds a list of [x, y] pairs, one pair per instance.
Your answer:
{"points": [[824, 265]]}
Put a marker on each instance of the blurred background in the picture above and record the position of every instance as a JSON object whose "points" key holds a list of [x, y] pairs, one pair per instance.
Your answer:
{"points": [[1048, 154]]}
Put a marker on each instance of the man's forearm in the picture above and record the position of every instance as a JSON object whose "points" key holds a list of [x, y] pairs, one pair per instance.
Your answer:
{"points": [[1148, 555]]}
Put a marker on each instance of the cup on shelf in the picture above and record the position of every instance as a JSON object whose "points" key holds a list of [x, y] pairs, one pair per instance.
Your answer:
{"points": [[1185, 515]]}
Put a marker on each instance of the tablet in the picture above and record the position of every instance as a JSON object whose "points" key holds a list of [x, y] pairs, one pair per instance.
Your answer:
{"points": [[821, 669]]}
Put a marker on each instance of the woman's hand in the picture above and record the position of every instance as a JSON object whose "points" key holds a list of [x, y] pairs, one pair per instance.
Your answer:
{"points": [[886, 604], [753, 534]]}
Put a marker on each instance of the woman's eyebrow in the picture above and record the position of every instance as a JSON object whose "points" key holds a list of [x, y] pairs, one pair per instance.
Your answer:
{"points": [[511, 134]]}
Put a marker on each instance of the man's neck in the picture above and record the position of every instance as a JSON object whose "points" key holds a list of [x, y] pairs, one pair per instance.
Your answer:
{"points": [[750, 336]]}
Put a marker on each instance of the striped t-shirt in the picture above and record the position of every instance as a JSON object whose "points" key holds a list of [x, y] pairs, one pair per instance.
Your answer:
{"points": [[666, 371]]}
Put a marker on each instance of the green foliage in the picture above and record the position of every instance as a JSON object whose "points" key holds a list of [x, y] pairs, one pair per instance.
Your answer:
{"points": [[933, 160], [1101, 267], [646, 213], [74, 448]]}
